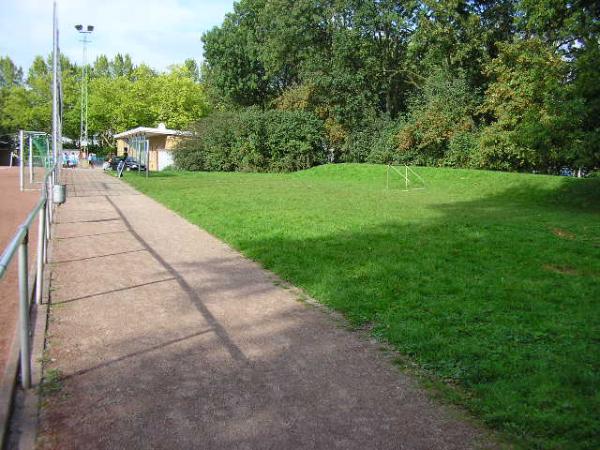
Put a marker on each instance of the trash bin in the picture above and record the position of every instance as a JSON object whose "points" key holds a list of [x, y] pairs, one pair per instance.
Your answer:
{"points": [[59, 194]]}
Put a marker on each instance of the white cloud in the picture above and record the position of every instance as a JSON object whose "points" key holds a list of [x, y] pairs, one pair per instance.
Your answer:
{"points": [[157, 32]]}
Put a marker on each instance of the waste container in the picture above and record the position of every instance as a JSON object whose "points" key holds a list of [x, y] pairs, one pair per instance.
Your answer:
{"points": [[59, 194]]}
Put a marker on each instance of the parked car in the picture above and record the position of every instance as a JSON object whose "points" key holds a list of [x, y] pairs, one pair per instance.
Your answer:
{"points": [[130, 163]]}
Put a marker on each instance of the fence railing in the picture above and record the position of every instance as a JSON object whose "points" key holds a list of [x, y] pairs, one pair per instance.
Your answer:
{"points": [[44, 210]]}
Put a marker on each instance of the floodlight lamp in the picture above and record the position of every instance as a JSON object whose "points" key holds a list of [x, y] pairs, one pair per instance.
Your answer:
{"points": [[90, 28], [79, 27]]}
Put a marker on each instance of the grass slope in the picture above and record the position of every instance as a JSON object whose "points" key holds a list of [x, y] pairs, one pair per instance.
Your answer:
{"points": [[487, 280]]}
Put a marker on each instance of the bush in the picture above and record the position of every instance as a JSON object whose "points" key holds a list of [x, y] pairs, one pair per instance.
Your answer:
{"points": [[295, 140], [254, 140], [439, 126], [461, 149], [100, 151], [362, 143], [212, 145], [384, 149]]}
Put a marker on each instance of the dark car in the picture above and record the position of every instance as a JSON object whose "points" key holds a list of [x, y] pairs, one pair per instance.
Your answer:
{"points": [[130, 164]]}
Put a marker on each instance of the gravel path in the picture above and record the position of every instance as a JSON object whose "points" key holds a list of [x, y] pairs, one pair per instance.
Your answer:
{"points": [[167, 338]]}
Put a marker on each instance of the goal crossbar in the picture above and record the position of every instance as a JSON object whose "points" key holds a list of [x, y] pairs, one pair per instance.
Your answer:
{"points": [[404, 175]]}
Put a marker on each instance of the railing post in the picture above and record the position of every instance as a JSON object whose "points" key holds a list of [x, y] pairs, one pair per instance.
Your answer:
{"points": [[21, 153], [50, 203], [30, 159], [40, 254], [24, 314], [46, 242]]}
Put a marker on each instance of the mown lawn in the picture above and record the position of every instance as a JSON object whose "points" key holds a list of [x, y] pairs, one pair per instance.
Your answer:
{"points": [[488, 281]]}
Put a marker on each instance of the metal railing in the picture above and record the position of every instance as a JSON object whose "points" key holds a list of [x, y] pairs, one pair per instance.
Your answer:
{"points": [[19, 245]]}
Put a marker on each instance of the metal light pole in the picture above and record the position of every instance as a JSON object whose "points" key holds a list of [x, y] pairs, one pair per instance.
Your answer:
{"points": [[83, 130], [56, 97]]}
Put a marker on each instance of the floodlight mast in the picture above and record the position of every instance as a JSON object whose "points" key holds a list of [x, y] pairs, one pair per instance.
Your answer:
{"points": [[83, 129]]}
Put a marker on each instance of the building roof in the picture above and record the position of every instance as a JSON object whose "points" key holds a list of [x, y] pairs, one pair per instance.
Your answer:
{"points": [[161, 130]]}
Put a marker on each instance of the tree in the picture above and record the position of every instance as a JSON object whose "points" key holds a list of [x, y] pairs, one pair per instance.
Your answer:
{"points": [[536, 118], [101, 67], [191, 69], [440, 116], [179, 100], [10, 74], [232, 57], [121, 66], [14, 109]]}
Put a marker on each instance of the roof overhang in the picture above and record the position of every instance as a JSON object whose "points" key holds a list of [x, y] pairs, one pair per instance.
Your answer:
{"points": [[148, 131]]}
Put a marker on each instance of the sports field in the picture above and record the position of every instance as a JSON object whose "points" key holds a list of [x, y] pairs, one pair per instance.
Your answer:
{"points": [[14, 207], [488, 283]]}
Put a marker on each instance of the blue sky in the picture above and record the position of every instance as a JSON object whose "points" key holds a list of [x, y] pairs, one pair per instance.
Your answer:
{"points": [[156, 32]]}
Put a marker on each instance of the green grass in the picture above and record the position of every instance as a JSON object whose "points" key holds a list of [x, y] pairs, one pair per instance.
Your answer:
{"points": [[488, 281]]}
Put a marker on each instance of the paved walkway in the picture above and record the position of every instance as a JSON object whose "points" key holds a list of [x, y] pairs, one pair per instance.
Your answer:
{"points": [[167, 338]]}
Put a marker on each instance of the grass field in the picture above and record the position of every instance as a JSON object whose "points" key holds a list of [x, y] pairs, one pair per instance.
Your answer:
{"points": [[487, 281]]}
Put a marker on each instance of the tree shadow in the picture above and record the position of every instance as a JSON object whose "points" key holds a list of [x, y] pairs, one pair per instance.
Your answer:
{"points": [[466, 295], [498, 294]]}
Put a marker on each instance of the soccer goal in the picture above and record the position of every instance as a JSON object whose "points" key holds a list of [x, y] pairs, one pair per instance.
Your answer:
{"points": [[34, 157], [403, 177]]}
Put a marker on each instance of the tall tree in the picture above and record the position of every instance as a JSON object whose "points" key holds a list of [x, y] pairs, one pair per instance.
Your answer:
{"points": [[101, 67], [10, 74], [232, 57], [121, 65]]}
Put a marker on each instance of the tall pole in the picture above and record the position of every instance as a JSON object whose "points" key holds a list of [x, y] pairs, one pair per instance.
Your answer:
{"points": [[83, 128], [55, 99], [30, 159], [21, 153]]}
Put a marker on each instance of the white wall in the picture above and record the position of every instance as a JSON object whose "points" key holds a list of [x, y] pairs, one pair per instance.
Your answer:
{"points": [[165, 159]]}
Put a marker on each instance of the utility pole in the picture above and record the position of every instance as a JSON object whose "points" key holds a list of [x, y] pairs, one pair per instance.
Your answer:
{"points": [[83, 129], [56, 100]]}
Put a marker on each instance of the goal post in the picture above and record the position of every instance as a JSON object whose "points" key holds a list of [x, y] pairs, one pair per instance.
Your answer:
{"points": [[403, 175], [34, 158]]}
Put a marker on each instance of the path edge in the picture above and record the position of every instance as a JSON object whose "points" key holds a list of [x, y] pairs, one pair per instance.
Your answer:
{"points": [[23, 411]]}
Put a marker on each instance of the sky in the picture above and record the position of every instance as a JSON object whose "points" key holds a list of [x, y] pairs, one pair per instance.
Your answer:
{"points": [[156, 32]]}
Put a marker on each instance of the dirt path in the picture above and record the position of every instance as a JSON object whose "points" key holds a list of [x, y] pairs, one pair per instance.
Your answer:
{"points": [[166, 338], [14, 207]]}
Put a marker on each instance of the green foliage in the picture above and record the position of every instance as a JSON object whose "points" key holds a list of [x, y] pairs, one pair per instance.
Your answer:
{"points": [[10, 74], [121, 96], [368, 142], [211, 147], [141, 97], [26, 104], [536, 117], [487, 281], [254, 140], [177, 99], [14, 109], [428, 66], [501, 84], [441, 110], [295, 140], [235, 69]]}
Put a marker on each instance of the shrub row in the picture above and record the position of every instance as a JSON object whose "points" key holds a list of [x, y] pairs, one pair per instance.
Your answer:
{"points": [[254, 140], [445, 124]]}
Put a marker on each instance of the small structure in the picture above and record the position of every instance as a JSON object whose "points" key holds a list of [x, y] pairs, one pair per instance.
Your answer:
{"points": [[152, 146]]}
